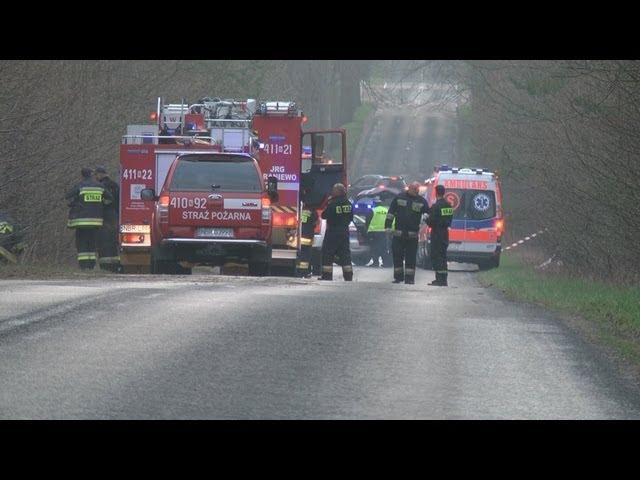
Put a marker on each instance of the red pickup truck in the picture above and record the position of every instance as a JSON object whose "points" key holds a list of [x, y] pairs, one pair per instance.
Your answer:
{"points": [[213, 207]]}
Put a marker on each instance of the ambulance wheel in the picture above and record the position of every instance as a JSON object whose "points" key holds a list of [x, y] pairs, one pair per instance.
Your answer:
{"points": [[489, 264]]}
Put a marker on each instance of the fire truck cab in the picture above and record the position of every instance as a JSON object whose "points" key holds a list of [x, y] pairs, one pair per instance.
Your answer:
{"points": [[475, 235]]}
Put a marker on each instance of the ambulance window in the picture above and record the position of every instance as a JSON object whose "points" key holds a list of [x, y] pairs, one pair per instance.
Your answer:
{"points": [[481, 204], [235, 174]]}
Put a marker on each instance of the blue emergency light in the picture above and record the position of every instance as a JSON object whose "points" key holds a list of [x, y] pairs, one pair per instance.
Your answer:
{"points": [[306, 150]]}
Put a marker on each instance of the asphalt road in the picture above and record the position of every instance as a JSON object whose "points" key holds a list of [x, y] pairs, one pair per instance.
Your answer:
{"points": [[200, 347]]}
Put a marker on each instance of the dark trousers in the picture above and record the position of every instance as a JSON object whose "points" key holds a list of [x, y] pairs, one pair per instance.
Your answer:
{"points": [[303, 265], [405, 249], [439, 258], [86, 247], [336, 244], [107, 244], [379, 243]]}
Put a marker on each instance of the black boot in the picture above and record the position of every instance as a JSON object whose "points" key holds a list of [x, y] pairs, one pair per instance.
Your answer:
{"points": [[398, 275], [409, 278], [347, 273]]}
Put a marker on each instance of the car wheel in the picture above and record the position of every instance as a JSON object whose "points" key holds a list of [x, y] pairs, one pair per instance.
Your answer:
{"points": [[360, 261]]}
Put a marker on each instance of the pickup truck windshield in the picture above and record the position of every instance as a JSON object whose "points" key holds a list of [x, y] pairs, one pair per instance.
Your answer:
{"points": [[219, 173]]}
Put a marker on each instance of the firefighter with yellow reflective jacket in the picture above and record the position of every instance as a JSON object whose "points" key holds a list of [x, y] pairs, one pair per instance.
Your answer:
{"points": [[86, 201], [308, 220], [11, 244]]}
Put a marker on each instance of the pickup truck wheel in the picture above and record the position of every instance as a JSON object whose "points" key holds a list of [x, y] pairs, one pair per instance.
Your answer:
{"points": [[259, 269]]}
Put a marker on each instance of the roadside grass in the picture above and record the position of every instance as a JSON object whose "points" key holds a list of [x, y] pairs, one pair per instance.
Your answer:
{"points": [[611, 313]]}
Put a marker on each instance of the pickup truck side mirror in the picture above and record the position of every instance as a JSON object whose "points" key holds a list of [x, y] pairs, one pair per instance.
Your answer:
{"points": [[148, 194], [272, 188]]}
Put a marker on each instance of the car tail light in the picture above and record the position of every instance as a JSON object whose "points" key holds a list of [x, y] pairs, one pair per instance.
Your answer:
{"points": [[163, 208], [499, 226], [266, 210]]}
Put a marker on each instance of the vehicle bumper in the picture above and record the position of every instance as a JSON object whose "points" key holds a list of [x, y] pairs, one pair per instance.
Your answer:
{"points": [[216, 251]]}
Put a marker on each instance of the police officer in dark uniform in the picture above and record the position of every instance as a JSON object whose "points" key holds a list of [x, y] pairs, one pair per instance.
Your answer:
{"points": [[11, 244], [86, 201], [407, 209], [308, 220], [108, 258], [339, 214], [440, 220]]}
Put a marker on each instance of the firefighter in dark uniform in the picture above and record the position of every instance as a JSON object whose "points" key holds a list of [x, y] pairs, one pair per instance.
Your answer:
{"points": [[440, 220], [86, 201], [11, 244], [308, 220], [107, 241], [407, 210], [339, 214]]}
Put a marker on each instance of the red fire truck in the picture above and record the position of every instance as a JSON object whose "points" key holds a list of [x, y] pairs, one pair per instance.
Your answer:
{"points": [[269, 132]]}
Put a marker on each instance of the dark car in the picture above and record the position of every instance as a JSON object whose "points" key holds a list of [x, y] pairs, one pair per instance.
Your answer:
{"points": [[368, 182]]}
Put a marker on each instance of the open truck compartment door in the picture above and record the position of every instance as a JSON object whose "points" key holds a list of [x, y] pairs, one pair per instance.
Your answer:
{"points": [[323, 164]]}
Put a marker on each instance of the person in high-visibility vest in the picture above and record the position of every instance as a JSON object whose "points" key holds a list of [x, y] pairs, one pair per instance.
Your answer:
{"points": [[308, 220], [86, 200], [378, 237]]}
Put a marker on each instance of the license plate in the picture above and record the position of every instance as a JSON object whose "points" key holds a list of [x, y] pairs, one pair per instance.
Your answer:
{"points": [[215, 232]]}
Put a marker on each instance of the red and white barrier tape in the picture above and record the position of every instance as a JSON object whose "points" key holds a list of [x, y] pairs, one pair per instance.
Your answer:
{"points": [[525, 239]]}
